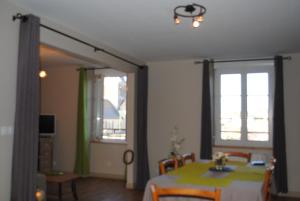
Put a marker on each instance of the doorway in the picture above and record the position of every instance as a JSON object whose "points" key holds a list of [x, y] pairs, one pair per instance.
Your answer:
{"points": [[59, 92]]}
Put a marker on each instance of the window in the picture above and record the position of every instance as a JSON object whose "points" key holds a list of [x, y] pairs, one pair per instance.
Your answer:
{"points": [[111, 95], [243, 104]]}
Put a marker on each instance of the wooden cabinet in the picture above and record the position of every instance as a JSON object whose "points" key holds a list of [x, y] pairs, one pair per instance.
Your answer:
{"points": [[45, 159]]}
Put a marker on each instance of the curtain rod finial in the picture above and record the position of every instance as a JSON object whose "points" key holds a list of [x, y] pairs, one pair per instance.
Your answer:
{"points": [[19, 16]]}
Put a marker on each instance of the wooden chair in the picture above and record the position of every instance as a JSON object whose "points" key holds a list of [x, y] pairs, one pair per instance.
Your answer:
{"points": [[188, 157], [166, 165], [186, 192], [246, 156], [267, 184], [268, 179], [272, 162]]}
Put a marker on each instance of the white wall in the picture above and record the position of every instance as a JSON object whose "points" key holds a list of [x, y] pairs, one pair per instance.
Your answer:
{"points": [[175, 99], [9, 32], [131, 127], [106, 160], [292, 112]]}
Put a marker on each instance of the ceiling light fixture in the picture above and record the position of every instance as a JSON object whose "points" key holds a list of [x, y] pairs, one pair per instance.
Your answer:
{"points": [[194, 11]]}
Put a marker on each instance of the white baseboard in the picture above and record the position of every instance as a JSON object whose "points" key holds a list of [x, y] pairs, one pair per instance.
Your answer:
{"points": [[290, 194], [107, 176], [130, 185]]}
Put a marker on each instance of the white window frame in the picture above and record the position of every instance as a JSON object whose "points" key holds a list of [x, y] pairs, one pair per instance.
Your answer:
{"points": [[98, 105], [242, 68]]}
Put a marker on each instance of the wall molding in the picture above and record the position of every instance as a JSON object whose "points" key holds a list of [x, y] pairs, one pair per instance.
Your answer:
{"points": [[130, 185], [291, 194]]}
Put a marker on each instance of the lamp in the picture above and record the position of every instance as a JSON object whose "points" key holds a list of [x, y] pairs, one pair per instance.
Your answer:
{"points": [[42, 74], [40, 195], [194, 11]]}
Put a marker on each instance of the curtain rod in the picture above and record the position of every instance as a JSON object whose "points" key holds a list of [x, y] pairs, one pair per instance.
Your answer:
{"points": [[93, 68], [23, 18], [238, 60]]}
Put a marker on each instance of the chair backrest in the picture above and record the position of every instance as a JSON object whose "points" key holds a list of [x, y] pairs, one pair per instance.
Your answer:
{"points": [[246, 156], [167, 164], [272, 162], [188, 157], [186, 192], [267, 184]]}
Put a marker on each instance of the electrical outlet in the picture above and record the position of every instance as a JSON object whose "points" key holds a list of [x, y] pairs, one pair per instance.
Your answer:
{"points": [[6, 130]]}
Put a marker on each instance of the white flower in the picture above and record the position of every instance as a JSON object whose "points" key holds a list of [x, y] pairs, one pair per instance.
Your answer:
{"points": [[175, 141], [173, 138], [218, 156]]}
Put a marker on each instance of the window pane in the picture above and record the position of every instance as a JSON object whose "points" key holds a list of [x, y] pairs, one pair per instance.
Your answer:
{"points": [[231, 84], [257, 84], [230, 136], [257, 124], [231, 106], [231, 124], [114, 108], [258, 106], [258, 136]]}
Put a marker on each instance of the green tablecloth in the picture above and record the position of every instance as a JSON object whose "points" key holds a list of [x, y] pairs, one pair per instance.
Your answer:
{"points": [[198, 174]]}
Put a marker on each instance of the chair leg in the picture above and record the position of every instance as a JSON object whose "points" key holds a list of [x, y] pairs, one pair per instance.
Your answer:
{"points": [[74, 190], [59, 191]]}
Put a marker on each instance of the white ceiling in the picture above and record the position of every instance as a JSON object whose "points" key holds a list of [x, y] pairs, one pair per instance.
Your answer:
{"points": [[145, 29]]}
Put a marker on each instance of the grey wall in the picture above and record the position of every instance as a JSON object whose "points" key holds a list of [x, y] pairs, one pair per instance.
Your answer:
{"points": [[174, 99], [292, 111], [8, 66]]}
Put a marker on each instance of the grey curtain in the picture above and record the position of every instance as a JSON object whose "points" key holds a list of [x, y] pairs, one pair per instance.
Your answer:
{"points": [[207, 110], [142, 175], [279, 151], [25, 147]]}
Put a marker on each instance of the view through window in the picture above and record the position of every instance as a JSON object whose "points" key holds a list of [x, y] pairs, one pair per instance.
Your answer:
{"points": [[114, 108], [111, 104], [243, 107]]}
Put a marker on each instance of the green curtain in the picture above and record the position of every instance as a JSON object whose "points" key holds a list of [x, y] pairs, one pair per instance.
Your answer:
{"points": [[82, 145]]}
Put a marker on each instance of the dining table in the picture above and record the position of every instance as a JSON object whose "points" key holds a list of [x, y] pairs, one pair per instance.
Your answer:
{"points": [[238, 181]]}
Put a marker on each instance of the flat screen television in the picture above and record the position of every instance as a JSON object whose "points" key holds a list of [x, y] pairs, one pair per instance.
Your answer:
{"points": [[47, 125]]}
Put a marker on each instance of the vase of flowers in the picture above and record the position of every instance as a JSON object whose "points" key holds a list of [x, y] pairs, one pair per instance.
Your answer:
{"points": [[176, 142], [220, 160]]}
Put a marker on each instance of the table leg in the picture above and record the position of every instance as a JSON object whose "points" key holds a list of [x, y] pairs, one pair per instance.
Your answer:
{"points": [[59, 191], [73, 186]]}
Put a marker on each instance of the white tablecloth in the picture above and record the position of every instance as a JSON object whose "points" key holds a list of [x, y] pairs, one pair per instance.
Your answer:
{"points": [[236, 191]]}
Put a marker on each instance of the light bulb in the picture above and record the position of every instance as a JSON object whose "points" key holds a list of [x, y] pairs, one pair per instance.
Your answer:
{"points": [[177, 20], [196, 23], [42, 74], [199, 18]]}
